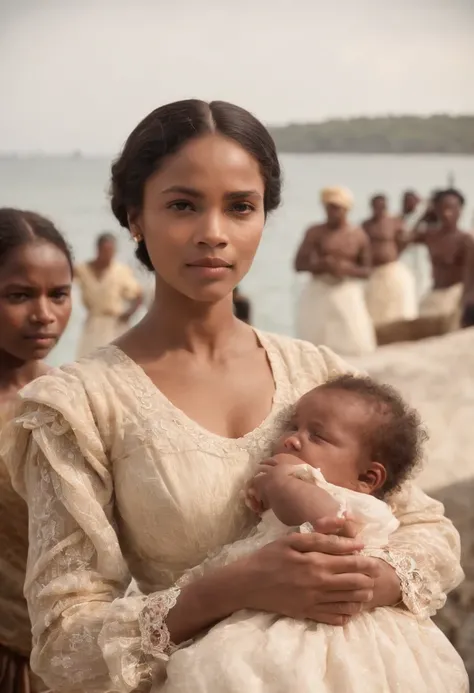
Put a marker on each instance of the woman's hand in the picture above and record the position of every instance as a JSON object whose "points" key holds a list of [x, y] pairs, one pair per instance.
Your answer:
{"points": [[317, 576], [387, 590]]}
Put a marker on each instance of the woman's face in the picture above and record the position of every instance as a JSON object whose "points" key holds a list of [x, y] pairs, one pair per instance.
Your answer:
{"points": [[203, 217], [35, 300]]}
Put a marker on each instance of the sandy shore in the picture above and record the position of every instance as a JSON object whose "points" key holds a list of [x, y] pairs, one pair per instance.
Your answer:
{"points": [[437, 377]]}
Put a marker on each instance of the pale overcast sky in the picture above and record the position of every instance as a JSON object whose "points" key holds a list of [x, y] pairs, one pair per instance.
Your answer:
{"points": [[79, 74]]}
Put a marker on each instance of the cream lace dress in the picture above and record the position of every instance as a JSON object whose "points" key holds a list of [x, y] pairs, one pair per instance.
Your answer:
{"points": [[383, 651], [121, 483]]}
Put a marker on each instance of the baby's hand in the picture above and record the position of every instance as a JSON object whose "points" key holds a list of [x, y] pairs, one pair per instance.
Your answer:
{"points": [[281, 464], [270, 471]]}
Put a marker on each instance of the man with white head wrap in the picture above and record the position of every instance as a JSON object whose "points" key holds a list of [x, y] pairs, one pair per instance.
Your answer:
{"points": [[332, 308]]}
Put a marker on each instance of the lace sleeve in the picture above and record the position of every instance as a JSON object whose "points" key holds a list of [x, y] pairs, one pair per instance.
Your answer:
{"points": [[424, 551], [87, 635]]}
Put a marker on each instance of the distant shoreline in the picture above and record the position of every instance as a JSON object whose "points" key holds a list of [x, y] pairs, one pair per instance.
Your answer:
{"points": [[109, 157], [397, 135], [438, 134]]}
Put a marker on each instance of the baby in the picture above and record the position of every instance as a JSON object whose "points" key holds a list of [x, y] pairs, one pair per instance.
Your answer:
{"points": [[349, 443], [351, 434]]}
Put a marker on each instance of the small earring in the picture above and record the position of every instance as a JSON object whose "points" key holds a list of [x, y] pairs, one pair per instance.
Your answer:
{"points": [[137, 237]]}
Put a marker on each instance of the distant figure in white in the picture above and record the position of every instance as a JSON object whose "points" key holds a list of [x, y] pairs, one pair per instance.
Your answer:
{"points": [[110, 294], [391, 292], [332, 308], [416, 213]]}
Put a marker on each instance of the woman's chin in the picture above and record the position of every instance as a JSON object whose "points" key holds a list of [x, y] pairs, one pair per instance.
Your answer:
{"points": [[212, 297], [212, 293]]}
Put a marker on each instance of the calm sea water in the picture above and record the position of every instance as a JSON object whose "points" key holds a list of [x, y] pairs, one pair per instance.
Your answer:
{"points": [[73, 192]]}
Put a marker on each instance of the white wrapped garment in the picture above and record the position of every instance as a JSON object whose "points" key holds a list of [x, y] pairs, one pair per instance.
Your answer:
{"points": [[391, 294], [386, 650], [333, 312]]}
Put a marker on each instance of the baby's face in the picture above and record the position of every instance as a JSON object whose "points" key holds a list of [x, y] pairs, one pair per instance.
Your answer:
{"points": [[328, 430]]}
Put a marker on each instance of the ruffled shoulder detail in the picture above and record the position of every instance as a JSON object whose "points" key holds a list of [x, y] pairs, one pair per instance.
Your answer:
{"points": [[73, 401], [307, 365]]}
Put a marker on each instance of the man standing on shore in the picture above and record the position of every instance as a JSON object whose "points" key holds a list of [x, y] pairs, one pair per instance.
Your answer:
{"points": [[410, 208], [391, 291], [468, 289], [336, 255], [449, 249]]}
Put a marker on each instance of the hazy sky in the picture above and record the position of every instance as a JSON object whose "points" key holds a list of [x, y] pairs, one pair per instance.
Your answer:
{"points": [[81, 74]]}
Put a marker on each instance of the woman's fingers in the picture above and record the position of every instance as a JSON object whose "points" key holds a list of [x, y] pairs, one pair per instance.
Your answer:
{"points": [[336, 610], [356, 596], [343, 608], [330, 619], [346, 582], [349, 529], [322, 543], [340, 565]]}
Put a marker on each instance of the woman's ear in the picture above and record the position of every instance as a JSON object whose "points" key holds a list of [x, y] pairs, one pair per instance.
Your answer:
{"points": [[135, 230], [372, 478]]}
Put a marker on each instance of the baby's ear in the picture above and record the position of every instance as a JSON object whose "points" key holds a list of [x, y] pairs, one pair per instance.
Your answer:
{"points": [[372, 478]]}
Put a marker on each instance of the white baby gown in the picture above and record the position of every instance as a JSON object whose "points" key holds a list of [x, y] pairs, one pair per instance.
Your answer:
{"points": [[387, 650]]}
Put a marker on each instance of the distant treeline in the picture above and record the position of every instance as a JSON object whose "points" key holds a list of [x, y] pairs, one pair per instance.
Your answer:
{"points": [[441, 134]]}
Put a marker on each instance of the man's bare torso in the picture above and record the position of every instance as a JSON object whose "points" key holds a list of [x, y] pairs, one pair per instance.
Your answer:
{"points": [[386, 239], [345, 243], [448, 252]]}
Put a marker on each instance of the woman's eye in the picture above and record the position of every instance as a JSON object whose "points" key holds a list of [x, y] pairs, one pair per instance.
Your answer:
{"points": [[17, 298], [242, 207], [181, 205], [60, 296]]}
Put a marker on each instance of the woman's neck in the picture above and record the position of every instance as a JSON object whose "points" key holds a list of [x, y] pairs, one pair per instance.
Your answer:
{"points": [[15, 373], [177, 322]]}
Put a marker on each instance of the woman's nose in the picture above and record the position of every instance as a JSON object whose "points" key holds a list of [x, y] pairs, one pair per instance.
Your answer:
{"points": [[211, 231], [293, 443], [42, 313]]}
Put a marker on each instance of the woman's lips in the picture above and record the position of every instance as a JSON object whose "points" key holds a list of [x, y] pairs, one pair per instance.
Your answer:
{"points": [[210, 267]]}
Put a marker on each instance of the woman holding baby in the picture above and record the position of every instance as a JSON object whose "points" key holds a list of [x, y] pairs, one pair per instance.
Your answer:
{"points": [[133, 460]]}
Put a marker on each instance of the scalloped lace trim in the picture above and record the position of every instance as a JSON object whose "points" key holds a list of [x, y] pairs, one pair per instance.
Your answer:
{"points": [[156, 640], [416, 594]]}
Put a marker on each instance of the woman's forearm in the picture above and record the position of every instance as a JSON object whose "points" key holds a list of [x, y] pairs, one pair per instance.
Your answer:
{"points": [[207, 600]]}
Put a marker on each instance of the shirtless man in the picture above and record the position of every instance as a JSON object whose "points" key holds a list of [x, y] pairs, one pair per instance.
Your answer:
{"points": [[391, 292], [468, 289], [410, 208], [332, 308], [448, 247]]}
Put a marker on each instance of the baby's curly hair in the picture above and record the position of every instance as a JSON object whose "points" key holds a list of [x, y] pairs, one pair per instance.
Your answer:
{"points": [[397, 439]]}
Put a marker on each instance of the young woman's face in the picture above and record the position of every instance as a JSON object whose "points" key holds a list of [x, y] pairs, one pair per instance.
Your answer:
{"points": [[35, 300], [203, 217]]}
